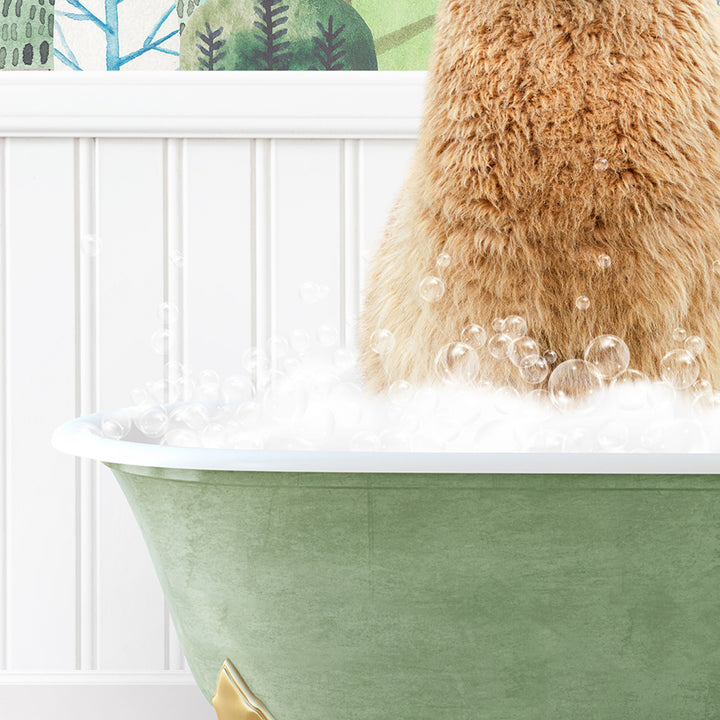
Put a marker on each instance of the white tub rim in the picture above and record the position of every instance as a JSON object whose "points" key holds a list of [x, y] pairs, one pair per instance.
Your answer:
{"points": [[73, 438]]}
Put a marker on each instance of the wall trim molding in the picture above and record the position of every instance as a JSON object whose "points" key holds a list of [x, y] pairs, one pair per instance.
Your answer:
{"points": [[232, 105]]}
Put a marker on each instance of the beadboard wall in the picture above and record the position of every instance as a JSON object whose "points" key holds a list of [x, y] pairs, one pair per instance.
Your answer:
{"points": [[220, 196]]}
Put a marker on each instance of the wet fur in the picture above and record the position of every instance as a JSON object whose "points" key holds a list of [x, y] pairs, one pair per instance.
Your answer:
{"points": [[522, 98]]}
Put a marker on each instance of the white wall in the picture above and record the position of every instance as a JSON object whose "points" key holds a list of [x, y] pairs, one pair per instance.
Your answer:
{"points": [[104, 183]]}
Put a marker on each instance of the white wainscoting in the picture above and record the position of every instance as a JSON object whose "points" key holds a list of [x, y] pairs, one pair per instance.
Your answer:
{"points": [[220, 195]]}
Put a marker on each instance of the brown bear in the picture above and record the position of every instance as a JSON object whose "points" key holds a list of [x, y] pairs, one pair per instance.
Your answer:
{"points": [[568, 149]]}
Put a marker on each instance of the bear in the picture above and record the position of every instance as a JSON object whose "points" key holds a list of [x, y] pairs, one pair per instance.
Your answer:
{"points": [[567, 171]]}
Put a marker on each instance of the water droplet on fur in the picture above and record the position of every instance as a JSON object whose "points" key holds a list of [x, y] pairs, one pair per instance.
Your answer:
{"points": [[515, 326], [604, 261], [534, 369], [382, 342], [457, 363], [679, 369], [499, 345], [679, 335], [443, 260], [695, 345], [582, 303], [601, 164], [608, 356], [474, 336], [432, 289], [571, 382]]}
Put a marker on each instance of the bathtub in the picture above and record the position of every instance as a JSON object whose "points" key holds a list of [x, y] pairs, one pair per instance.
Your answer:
{"points": [[360, 586]]}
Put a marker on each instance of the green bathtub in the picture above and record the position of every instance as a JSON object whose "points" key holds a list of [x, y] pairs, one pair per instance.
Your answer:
{"points": [[346, 586]]}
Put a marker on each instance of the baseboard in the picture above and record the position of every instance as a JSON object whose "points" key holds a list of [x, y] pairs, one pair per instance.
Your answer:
{"points": [[102, 696]]}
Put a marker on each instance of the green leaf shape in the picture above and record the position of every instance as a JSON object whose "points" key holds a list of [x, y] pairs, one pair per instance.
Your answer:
{"points": [[247, 36]]}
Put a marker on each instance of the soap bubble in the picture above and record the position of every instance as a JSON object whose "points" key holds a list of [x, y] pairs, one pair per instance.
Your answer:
{"points": [[679, 335], [278, 347], [457, 363], [286, 400], [382, 342], [213, 435], [499, 345], [432, 289], [702, 388], [365, 441], [180, 437], [312, 292], [400, 392], [515, 326], [608, 356], [550, 356], [344, 359], [159, 341], [604, 261], [573, 381], [523, 348], [140, 396], [300, 341], [194, 415], [601, 164], [328, 336], [634, 389], [539, 395], [679, 369], [443, 260], [159, 391], [152, 421], [116, 425], [474, 336], [582, 302], [613, 436], [498, 324], [237, 389], [695, 345], [253, 360], [534, 369]]}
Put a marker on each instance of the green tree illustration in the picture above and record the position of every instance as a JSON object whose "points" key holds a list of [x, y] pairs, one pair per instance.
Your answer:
{"points": [[328, 47], [211, 43]]}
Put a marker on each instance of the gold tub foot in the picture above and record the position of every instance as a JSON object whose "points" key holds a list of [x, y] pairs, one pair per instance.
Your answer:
{"points": [[233, 699]]}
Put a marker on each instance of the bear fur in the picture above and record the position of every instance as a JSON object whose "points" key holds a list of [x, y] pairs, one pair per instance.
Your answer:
{"points": [[523, 97]]}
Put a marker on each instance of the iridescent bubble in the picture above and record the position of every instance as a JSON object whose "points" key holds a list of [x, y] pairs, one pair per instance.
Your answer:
{"points": [[550, 356], [328, 336], [573, 383], [523, 348], [457, 363], [582, 302], [382, 342], [159, 341], [300, 341], [401, 392], [474, 336], [604, 261], [152, 421], [499, 345], [679, 335], [679, 369], [237, 389], [608, 356], [695, 345], [702, 388], [432, 289], [312, 292], [498, 324], [515, 326], [443, 260], [116, 425], [534, 369], [601, 164]]}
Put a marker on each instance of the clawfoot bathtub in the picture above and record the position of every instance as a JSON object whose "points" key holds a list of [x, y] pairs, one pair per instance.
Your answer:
{"points": [[360, 586]]}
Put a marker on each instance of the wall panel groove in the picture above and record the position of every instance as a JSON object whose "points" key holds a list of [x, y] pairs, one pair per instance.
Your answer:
{"points": [[4, 415]]}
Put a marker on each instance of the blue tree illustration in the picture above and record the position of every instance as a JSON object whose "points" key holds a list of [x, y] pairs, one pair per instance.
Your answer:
{"points": [[110, 26]]}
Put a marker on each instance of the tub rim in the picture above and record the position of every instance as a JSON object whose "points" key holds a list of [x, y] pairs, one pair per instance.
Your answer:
{"points": [[73, 438]]}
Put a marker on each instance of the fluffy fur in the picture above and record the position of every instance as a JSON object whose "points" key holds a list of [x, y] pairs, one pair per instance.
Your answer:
{"points": [[522, 98]]}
